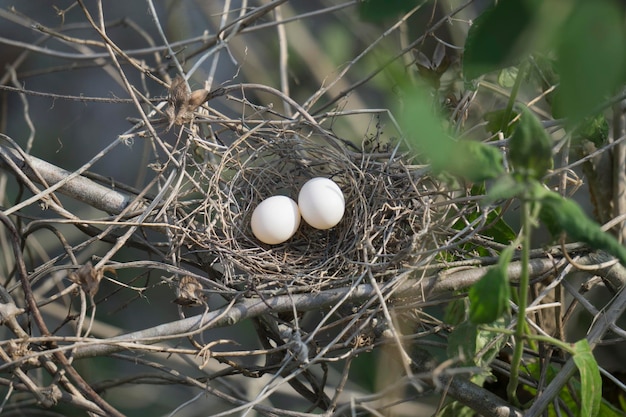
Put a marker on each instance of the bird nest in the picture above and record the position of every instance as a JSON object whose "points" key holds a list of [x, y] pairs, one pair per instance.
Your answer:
{"points": [[389, 223]]}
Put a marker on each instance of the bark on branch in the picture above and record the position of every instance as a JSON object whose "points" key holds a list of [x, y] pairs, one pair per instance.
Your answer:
{"points": [[79, 188]]}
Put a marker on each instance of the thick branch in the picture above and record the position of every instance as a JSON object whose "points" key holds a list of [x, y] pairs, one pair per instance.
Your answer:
{"points": [[79, 188], [483, 402]]}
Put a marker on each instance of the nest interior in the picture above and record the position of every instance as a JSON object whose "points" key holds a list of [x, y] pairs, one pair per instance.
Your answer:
{"points": [[388, 225]]}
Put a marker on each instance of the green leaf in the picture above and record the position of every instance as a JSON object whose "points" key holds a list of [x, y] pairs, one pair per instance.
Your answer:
{"points": [[498, 229], [467, 339], [489, 297], [590, 379], [455, 312], [474, 161], [543, 73], [498, 118], [530, 148], [494, 39], [550, 371], [563, 215], [504, 188], [591, 59], [507, 76], [594, 129], [485, 338], [462, 341]]}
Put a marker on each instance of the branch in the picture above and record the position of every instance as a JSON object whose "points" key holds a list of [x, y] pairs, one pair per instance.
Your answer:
{"points": [[455, 280], [483, 402], [253, 307], [226, 316], [79, 187], [39, 321]]}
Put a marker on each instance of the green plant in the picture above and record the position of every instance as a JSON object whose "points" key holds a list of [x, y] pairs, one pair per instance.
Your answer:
{"points": [[585, 42]]}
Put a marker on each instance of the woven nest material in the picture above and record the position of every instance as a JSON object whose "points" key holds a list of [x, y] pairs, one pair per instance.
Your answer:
{"points": [[387, 226]]}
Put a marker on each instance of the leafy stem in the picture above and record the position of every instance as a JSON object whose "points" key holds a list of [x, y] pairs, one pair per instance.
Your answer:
{"points": [[520, 329], [567, 347]]}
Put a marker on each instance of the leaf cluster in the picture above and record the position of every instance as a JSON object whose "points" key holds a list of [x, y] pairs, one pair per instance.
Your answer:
{"points": [[585, 45]]}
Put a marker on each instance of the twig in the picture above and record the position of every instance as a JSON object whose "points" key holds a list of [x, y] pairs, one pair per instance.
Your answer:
{"points": [[609, 316], [619, 160], [39, 321], [284, 57]]}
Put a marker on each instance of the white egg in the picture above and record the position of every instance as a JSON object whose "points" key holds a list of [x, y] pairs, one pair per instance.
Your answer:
{"points": [[321, 203], [275, 219]]}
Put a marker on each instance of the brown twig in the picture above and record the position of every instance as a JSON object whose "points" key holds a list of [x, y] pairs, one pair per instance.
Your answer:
{"points": [[39, 321]]}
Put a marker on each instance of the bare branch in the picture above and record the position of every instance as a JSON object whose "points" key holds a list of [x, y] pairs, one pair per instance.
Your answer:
{"points": [[77, 187]]}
